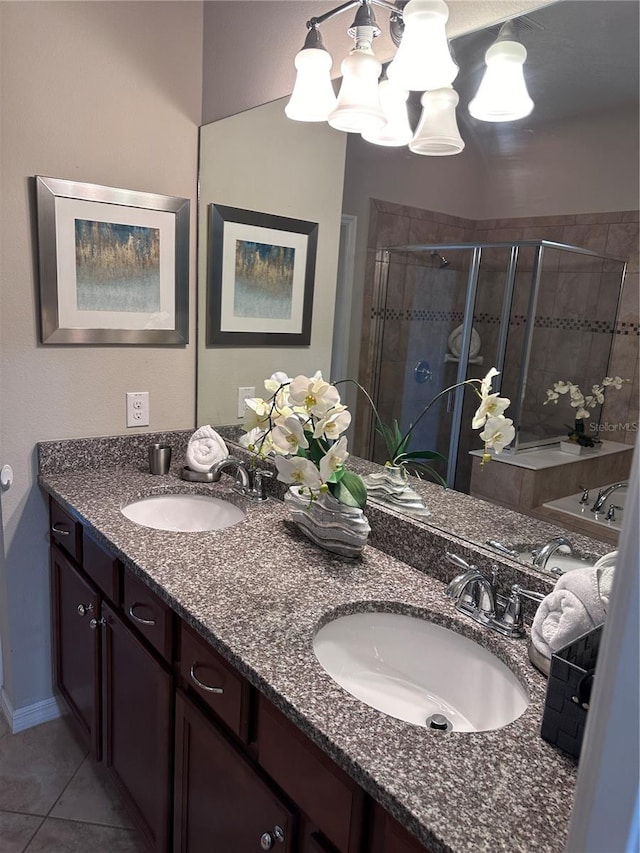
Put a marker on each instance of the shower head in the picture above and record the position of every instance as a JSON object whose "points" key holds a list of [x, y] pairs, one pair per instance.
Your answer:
{"points": [[441, 258]]}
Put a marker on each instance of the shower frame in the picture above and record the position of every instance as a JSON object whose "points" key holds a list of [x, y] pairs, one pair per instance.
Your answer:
{"points": [[379, 299]]}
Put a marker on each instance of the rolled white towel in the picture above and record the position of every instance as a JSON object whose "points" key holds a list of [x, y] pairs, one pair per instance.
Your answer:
{"points": [[455, 341], [205, 448], [573, 608], [605, 568]]}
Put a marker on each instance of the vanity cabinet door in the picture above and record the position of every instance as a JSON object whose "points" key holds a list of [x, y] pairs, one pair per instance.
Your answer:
{"points": [[387, 836], [75, 603], [138, 732], [223, 804]]}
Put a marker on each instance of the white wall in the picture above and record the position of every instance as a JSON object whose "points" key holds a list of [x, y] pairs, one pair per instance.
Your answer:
{"points": [[261, 161], [106, 93]]}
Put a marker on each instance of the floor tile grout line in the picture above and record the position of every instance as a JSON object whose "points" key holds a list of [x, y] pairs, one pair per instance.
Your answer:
{"points": [[34, 833], [73, 776]]}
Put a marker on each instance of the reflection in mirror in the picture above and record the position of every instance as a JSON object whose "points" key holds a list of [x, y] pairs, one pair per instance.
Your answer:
{"points": [[566, 174]]}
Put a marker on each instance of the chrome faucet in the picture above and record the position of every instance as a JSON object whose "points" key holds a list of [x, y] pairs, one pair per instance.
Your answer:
{"points": [[476, 596], [541, 555], [248, 483], [603, 494]]}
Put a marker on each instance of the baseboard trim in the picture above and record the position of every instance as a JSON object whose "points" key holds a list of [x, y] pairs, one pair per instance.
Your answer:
{"points": [[30, 715]]}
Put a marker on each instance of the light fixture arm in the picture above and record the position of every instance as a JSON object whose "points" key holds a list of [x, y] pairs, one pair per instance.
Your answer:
{"points": [[394, 8]]}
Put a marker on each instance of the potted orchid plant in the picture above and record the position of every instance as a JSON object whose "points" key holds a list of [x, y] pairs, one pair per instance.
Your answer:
{"points": [[302, 423], [497, 430], [582, 403]]}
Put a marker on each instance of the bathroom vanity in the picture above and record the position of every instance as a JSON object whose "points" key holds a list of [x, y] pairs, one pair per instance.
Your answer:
{"points": [[187, 661]]}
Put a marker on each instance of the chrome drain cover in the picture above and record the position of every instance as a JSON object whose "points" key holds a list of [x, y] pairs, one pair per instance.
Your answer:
{"points": [[439, 723]]}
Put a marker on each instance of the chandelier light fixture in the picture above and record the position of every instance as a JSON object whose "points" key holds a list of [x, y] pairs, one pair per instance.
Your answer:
{"points": [[374, 103]]}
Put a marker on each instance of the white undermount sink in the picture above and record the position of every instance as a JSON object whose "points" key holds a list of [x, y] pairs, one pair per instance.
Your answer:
{"points": [[412, 669], [183, 513]]}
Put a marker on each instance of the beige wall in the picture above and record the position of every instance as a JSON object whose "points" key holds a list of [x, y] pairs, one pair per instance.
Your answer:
{"points": [[106, 93], [261, 161]]}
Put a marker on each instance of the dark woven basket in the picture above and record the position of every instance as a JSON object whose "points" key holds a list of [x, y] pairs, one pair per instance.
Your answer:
{"points": [[569, 692]]}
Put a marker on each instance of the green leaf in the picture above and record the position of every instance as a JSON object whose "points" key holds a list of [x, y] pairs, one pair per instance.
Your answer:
{"points": [[350, 490], [430, 473], [419, 454]]}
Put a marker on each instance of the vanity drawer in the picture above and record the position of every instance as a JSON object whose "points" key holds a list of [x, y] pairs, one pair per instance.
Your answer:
{"points": [[150, 615], [217, 683], [102, 567], [324, 792], [65, 531]]}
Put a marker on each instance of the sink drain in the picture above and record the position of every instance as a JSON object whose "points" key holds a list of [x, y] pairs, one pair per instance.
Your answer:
{"points": [[439, 723]]}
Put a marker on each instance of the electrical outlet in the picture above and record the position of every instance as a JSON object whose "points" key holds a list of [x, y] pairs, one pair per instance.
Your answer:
{"points": [[243, 393], [137, 408]]}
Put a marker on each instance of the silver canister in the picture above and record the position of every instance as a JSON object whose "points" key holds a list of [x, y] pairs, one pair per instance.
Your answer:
{"points": [[159, 458]]}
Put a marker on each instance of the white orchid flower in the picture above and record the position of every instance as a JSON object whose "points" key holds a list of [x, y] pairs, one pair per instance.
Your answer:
{"points": [[598, 393], [288, 435], [485, 385], [256, 413], [258, 441], [275, 381], [561, 387], [498, 433], [552, 397], [315, 395], [333, 459], [616, 381], [491, 407], [299, 471], [333, 425], [575, 393], [577, 401], [581, 414]]}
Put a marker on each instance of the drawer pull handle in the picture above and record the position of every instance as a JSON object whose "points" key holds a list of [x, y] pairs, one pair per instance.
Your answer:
{"points": [[139, 618], [83, 609], [201, 684], [58, 530]]}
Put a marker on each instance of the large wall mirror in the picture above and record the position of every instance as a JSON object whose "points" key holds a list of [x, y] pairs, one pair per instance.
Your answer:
{"points": [[568, 173]]}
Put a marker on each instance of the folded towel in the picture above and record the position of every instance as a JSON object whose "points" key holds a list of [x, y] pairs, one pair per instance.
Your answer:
{"points": [[574, 607], [605, 568], [205, 448], [455, 341]]}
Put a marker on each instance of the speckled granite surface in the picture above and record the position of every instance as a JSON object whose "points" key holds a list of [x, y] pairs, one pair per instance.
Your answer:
{"points": [[258, 592]]}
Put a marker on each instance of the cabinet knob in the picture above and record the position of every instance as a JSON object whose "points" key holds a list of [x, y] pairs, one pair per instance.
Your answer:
{"points": [[267, 839], [83, 609]]}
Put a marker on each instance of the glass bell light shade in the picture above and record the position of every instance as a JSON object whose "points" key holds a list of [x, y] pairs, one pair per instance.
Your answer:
{"points": [[313, 97], [358, 107], [502, 94], [397, 131], [437, 133], [423, 60]]}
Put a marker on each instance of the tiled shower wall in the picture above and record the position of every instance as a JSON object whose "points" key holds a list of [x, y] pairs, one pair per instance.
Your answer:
{"points": [[420, 313]]}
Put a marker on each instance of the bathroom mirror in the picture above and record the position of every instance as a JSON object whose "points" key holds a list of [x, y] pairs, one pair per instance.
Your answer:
{"points": [[576, 154]]}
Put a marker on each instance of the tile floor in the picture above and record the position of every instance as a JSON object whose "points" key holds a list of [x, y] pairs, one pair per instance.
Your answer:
{"points": [[55, 799]]}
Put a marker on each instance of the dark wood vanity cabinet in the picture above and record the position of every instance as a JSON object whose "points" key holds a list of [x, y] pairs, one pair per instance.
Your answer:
{"points": [[204, 761], [75, 602], [118, 690], [223, 804]]}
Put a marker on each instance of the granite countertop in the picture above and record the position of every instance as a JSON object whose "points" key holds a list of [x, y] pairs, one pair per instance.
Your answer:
{"points": [[259, 591]]}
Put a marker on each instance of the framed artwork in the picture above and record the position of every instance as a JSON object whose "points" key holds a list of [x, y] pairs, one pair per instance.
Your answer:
{"points": [[260, 277], [114, 265]]}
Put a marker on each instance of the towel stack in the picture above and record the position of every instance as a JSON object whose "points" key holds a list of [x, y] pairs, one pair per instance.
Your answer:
{"points": [[578, 604], [205, 448]]}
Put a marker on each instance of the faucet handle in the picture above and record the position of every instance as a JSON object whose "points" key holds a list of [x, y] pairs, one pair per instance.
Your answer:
{"points": [[585, 495], [459, 562], [257, 490]]}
